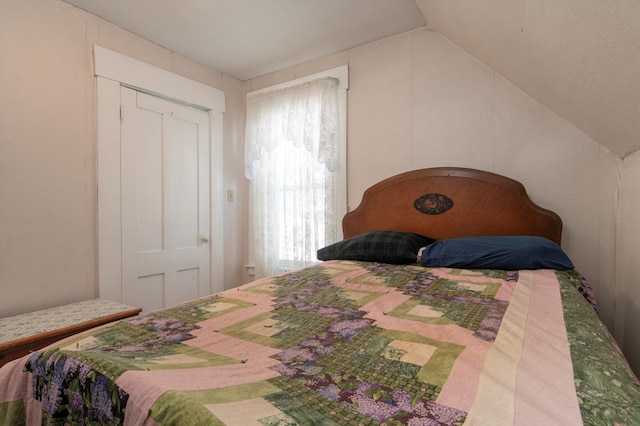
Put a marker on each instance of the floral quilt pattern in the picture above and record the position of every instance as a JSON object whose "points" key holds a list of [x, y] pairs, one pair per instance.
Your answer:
{"points": [[350, 343]]}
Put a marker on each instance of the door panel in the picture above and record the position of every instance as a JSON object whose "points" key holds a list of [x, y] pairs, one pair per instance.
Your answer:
{"points": [[165, 201], [146, 289], [186, 185], [149, 185]]}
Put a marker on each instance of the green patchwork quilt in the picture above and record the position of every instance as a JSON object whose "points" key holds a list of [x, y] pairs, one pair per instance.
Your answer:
{"points": [[344, 342]]}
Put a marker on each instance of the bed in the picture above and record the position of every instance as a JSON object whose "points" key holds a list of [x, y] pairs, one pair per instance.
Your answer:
{"points": [[422, 315]]}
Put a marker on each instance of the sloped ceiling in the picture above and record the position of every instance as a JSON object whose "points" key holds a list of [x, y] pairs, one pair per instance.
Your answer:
{"points": [[580, 58]]}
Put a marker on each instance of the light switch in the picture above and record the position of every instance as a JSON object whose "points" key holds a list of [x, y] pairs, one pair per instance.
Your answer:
{"points": [[229, 195]]}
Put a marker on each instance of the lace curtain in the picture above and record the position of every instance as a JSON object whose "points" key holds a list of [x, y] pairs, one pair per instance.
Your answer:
{"points": [[291, 159]]}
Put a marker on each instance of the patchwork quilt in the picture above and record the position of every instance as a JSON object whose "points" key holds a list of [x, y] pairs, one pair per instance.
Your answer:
{"points": [[344, 342]]}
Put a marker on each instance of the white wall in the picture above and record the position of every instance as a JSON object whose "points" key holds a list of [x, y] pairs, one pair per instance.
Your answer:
{"points": [[416, 100], [236, 213], [48, 188], [628, 262]]}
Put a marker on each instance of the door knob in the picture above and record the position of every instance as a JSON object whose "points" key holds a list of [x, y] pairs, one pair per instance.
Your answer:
{"points": [[204, 240]]}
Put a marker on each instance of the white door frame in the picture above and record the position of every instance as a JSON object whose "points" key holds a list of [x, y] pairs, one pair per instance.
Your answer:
{"points": [[112, 70]]}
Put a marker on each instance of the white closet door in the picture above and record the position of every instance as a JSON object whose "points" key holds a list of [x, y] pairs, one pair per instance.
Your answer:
{"points": [[165, 201]]}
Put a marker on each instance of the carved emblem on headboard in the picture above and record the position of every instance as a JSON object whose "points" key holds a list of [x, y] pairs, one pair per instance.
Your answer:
{"points": [[433, 204]]}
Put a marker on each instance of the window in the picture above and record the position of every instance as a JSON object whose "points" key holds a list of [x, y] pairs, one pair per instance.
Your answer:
{"points": [[295, 159]]}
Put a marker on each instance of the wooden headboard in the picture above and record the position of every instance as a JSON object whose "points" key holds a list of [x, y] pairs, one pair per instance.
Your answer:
{"points": [[451, 202]]}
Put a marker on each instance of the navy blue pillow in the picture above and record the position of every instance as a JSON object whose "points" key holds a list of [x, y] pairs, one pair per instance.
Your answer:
{"points": [[378, 246], [508, 253]]}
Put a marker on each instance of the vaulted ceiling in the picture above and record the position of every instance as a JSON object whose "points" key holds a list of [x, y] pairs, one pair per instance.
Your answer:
{"points": [[581, 58]]}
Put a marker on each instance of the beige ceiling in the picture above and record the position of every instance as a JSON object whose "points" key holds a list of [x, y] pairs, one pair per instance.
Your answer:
{"points": [[581, 58], [248, 38]]}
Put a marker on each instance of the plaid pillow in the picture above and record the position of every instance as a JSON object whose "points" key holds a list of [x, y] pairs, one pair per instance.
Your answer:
{"points": [[378, 246]]}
